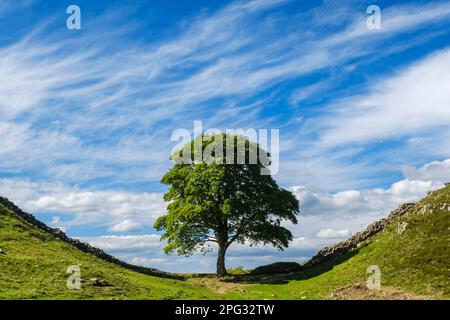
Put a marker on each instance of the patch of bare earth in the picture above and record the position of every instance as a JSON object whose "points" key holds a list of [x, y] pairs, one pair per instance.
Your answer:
{"points": [[361, 292], [219, 286]]}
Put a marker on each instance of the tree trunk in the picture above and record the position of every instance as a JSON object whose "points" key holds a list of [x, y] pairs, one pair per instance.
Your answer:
{"points": [[221, 271]]}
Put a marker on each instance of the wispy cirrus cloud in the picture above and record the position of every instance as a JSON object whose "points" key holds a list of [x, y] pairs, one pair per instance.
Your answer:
{"points": [[80, 96], [410, 103], [406, 112]]}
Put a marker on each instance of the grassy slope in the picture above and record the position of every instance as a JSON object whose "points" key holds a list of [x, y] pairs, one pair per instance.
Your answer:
{"points": [[35, 265], [416, 262]]}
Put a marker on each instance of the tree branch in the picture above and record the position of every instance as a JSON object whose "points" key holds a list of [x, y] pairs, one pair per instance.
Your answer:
{"points": [[240, 229]]}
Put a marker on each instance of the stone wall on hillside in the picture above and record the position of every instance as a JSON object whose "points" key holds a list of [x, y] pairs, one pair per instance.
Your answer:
{"points": [[329, 253], [84, 247]]}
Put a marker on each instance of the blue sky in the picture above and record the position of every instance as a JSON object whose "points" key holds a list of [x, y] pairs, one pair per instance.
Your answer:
{"points": [[86, 115]]}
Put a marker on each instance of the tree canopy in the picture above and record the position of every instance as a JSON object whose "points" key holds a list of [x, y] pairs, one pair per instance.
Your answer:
{"points": [[222, 202]]}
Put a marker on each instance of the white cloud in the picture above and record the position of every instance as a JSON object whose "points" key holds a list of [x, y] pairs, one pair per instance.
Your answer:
{"points": [[370, 202], [148, 261], [435, 171], [125, 243], [55, 221], [410, 103], [126, 226], [96, 206], [330, 233], [118, 209]]}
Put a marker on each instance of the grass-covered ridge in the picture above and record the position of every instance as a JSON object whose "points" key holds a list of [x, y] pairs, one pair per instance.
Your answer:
{"points": [[414, 264], [34, 263]]}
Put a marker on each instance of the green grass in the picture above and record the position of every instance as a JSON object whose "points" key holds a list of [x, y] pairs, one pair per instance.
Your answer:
{"points": [[34, 267], [415, 262]]}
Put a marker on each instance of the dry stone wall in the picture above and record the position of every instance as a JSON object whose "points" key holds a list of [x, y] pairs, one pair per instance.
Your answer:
{"points": [[84, 247]]}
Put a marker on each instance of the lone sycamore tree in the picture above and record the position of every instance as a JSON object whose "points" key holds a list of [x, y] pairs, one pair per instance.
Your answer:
{"points": [[223, 199]]}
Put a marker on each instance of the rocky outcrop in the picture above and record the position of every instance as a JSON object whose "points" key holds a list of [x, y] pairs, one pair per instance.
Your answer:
{"points": [[84, 247], [329, 253]]}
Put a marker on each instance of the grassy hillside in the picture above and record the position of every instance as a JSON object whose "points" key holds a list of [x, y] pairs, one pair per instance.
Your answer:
{"points": [[414, 264], [34, 264]]}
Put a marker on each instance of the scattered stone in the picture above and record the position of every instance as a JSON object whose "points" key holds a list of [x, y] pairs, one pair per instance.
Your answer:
{"points": [[99, 283], [2, 251], [401, 227]]}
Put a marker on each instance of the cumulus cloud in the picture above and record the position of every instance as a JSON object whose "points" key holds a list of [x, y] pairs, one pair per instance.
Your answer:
{"points": [[330, 233], [122, 211], [435, 171], [129, 243], [368, 202], [126, 225], [148, 261]]}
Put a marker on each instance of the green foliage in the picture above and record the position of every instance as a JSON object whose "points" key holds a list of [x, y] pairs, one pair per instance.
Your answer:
{"points": [[239, 270], [222, 202]]}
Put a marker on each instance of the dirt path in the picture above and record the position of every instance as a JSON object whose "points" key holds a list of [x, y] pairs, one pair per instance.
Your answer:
{"points": [[218, 286]]}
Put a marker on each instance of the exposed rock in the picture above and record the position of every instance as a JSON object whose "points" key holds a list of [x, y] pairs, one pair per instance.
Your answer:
{"points": [[84, 247], [277, 268], [401, 227], [99, 283]]}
